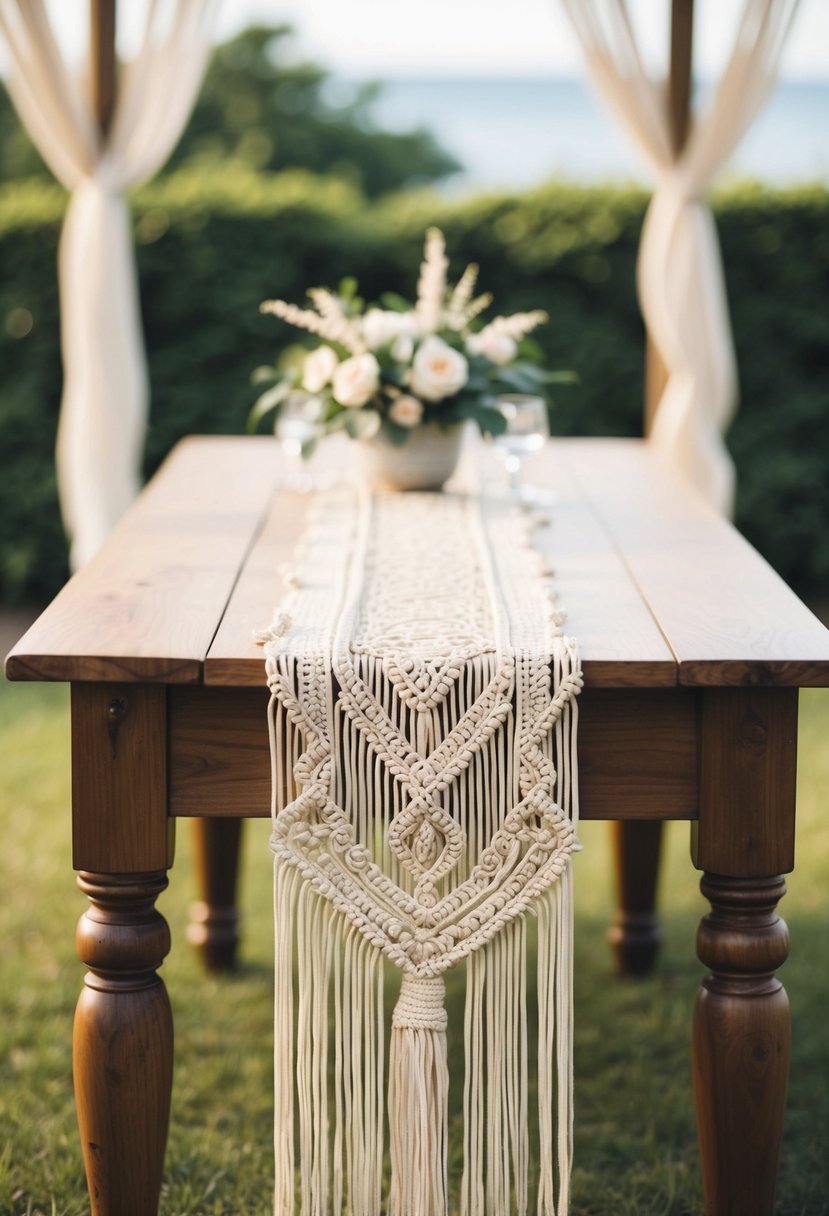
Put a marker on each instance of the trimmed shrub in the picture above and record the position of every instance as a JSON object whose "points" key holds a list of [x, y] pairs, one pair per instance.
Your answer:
{"points": [[209, 248]]}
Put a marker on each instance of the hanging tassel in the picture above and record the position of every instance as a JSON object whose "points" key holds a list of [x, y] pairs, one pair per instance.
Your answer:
{"points": [[418, 1099]]}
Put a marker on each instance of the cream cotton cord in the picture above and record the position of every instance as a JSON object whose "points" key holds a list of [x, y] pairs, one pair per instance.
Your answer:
{"points": [[423, 737]]}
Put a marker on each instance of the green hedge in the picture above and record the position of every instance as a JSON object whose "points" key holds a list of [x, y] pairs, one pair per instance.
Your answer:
{"points": [[209, 249]]}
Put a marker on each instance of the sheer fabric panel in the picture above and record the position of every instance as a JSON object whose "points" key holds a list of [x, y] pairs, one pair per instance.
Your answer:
{"points": [[680, 275], [105, 390]]}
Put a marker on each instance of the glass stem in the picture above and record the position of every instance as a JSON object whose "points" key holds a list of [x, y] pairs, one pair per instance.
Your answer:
{"points": [[513, 467]]}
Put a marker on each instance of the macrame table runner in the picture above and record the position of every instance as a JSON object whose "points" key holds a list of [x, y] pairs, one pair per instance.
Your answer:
{"points": [[423, 738]]}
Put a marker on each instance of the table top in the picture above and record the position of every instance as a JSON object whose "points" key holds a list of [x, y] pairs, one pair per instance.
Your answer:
{"points": [[659, 589]]}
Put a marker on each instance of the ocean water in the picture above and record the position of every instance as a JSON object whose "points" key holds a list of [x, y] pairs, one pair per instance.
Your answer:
{"points": [[518, 132]]}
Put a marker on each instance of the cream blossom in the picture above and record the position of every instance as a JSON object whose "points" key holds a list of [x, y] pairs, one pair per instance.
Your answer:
{"points": [[498, 348], [406, 410], [318, 369], [431, 286], [376, 364], [356, 380], [438, 371], [380, 326]]}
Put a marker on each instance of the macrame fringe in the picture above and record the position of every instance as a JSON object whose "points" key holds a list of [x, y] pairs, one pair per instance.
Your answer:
{"points": [[393, 781], [330, 1075], [504, 1170], [329, 1058], [419, 1098]]}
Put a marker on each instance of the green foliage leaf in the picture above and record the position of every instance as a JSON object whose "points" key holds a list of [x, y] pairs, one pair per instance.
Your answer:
{"points": [[394, 433], [490, 420], [529, 348], [263, 374], [357, 422], [393, 302], [348, 288], [520, 378], [270, 400], [393, 372]]}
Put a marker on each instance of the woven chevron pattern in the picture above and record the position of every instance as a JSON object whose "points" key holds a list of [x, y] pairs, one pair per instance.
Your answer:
{"points": [[423, 727]]}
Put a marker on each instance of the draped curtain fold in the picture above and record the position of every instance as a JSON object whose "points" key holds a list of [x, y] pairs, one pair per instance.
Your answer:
{"points": [[680, 275], [105, 390]]}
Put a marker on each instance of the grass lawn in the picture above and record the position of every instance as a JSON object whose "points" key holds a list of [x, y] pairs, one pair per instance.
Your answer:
{"points": [[635, 1141]]}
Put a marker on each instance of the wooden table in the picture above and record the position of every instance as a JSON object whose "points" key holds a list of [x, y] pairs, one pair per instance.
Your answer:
{"points": [[693, 653]]}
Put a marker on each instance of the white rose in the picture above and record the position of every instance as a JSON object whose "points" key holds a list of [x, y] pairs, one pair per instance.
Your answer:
{"points": [[381, 326], [318, 368], [498, 348], [406, 410], [356, 380], [438, 371]]}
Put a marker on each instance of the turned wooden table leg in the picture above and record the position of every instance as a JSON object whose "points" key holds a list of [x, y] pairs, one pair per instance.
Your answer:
{"points": [[742, 1030], [122, 845], [214, 927], [635, 935], [123, 1043], [744, 841]]}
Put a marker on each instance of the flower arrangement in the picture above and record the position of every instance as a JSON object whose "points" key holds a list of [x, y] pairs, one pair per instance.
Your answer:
{"points": [[399, 367]]}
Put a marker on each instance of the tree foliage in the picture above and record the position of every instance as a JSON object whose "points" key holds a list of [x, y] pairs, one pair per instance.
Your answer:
{"points": [[259, 108]]}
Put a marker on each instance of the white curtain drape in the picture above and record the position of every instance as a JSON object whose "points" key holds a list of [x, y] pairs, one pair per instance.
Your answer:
{"points": [[680, 276], [105, 390]]}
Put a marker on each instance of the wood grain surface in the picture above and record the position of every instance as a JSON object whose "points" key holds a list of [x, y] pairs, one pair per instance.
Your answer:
{"points": [[635, 934], [727, 616], [214, 917], [658, 588], [122, 1050], [220, 761], [149, 603], [619, 642], [740, 1044], [234, 658], [748, 781], [119, 779]]}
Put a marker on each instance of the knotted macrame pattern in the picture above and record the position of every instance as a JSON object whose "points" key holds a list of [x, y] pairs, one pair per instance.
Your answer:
{"points": [[423, 734]]}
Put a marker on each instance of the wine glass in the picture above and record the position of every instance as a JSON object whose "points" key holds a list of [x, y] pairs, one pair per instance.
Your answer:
{"points": [[296, 425], [526, 430]]}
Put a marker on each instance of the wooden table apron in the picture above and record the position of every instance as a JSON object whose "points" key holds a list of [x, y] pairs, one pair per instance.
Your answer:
{"points": [[693, 653]]}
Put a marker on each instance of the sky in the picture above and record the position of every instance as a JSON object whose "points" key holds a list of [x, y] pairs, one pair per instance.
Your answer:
{"points": [[383, 38], [505, 37]]}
